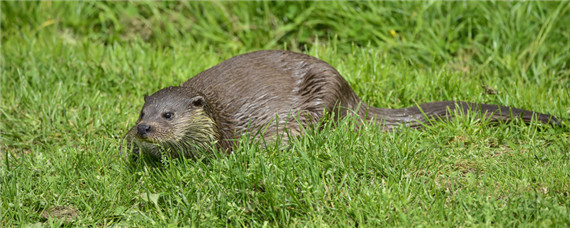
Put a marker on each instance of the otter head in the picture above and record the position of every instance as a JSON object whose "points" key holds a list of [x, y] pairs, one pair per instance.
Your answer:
{"points": [[176, 120]]}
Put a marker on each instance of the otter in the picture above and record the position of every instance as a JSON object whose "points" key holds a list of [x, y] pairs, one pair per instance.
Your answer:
{"points": [[266, 93]]}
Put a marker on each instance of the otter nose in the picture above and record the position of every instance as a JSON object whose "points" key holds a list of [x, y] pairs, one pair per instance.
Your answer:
{"points": [[143, 129]]}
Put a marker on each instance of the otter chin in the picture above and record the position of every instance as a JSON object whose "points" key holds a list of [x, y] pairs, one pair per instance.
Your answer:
{"points": [[263, 92]]}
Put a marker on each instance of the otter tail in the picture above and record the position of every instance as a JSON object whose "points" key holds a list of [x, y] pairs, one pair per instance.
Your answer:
{"points": [[421, 115]]}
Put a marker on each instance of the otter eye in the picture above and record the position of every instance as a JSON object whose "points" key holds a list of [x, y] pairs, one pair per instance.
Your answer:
{"points": [[142, 115], [167, 115]]}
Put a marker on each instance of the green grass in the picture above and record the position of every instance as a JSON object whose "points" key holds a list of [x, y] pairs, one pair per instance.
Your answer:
{"points": [[73, 75]]}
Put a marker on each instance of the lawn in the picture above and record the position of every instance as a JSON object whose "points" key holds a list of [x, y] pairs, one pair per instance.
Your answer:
{"points": [[74, 74]]}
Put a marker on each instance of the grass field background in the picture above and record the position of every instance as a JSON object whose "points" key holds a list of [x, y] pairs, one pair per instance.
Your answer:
{"points": [[73, 77]]}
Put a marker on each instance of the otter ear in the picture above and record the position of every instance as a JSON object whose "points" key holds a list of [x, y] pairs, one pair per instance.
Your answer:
{"points": [[197, 101], [145, 97]]}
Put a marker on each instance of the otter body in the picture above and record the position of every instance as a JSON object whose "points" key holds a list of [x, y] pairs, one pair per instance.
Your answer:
{"points": [[267, 92]]}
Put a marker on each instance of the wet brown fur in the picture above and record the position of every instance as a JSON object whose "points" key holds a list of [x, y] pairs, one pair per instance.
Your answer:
{"points": [[271, 90]]}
